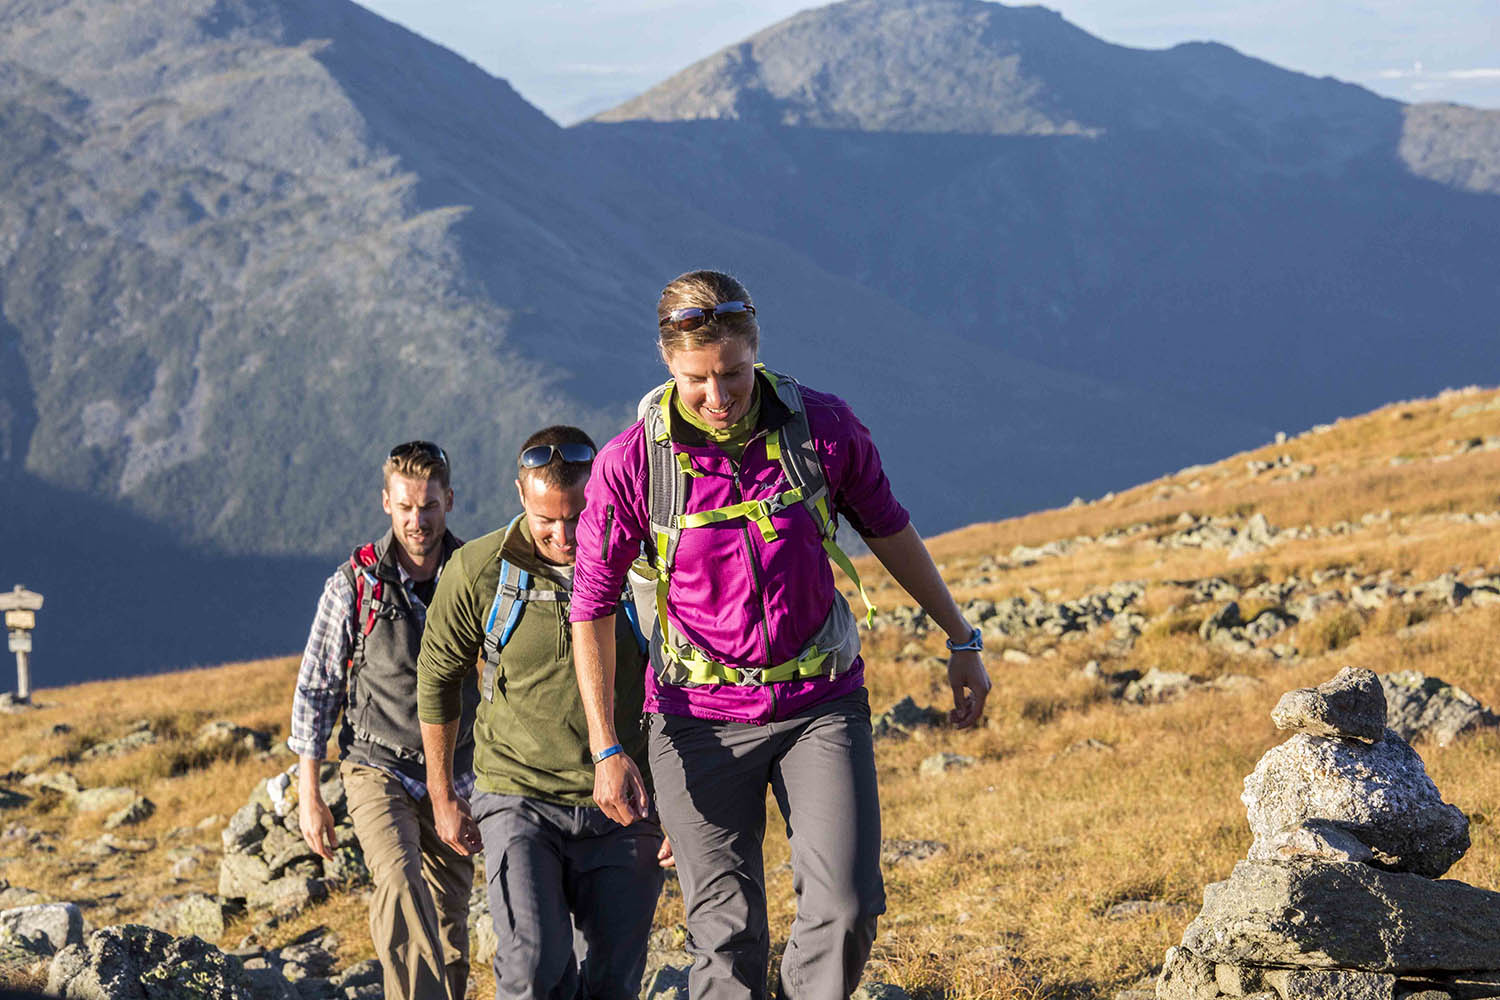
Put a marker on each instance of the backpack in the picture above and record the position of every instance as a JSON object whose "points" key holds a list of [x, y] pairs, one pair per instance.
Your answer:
{"points": [[835, 645], [511, 597]]}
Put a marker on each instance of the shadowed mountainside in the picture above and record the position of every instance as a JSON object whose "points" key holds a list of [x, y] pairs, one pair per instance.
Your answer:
{"points": [[246, 245]]}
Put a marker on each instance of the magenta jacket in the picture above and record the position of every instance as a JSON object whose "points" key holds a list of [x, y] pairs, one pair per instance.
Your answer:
{"points": [[746, 602]]}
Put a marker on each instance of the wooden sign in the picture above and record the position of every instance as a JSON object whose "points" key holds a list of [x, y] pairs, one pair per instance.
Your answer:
{"points": [[20, 599], [20, 642], [24, 620]]}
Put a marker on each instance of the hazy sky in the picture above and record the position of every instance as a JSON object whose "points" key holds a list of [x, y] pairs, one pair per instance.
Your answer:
{"points": [[572, 58]]}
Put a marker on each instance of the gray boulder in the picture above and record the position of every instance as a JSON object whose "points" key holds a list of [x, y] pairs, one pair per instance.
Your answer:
{"points": [[1423, 707], [199, 915], [1348, 916], [905, 718], [1351, 705], [941, 763], [1379, 793], [137, 809], [43, 928], [135, 962], [105, 799]]}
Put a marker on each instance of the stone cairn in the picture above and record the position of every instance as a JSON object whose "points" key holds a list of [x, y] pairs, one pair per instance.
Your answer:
{"points": [[1340, 897]]}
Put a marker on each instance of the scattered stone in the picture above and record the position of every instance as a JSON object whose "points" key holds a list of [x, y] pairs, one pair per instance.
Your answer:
{"points": [[906, 718], [107, 799], [941, 763], [223, 738], [1378, 793], [1158, 686], [12, 800], [879, 991], [894, 852], [1423, 707], [44, 928], [199, 915], [58, 781], [138, 736], [1351, 705], [1015, 656], [133, 960], [139, 808], [1131, 909]]}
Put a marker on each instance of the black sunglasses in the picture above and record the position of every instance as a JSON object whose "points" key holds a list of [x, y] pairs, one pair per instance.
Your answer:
{"points": [[540, 455], [691, 318], [419, 448]]}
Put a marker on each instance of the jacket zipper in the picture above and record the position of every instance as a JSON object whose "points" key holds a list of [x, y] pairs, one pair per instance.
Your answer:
{"points": [[609, 525], [760, 596]]}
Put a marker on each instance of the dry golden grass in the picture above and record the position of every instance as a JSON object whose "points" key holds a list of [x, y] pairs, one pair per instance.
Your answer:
{"points": [[1042, 837]]}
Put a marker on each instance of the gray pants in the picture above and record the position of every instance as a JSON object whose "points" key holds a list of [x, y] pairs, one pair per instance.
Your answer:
{"points": [[711, 780], [555, 869]]}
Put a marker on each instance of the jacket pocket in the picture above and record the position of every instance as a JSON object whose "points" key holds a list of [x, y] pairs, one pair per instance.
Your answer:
{"points": [[609, 526]]}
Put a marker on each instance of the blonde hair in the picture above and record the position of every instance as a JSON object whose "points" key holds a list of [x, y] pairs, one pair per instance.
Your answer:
{"points": [[704, 290], [416, 460]]}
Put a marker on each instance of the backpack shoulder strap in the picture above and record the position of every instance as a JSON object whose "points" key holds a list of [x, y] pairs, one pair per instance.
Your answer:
{"points": [[792, 446], [369, 589]]}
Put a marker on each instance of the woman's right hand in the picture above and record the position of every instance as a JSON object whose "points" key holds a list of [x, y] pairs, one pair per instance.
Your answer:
{"points": [[619, 790]]}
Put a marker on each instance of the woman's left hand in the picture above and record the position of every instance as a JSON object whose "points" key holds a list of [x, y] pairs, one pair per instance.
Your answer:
{"points": [[971, 686]]}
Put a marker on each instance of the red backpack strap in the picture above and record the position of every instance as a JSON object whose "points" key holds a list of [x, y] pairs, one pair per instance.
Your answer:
{"points": [[368, 588]]}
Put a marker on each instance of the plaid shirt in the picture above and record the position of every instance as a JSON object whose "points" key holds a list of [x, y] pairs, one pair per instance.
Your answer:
{"points": [[320, 681]]}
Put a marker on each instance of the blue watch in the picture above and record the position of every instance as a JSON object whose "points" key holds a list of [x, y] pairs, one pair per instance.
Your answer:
{"points": [[974, 643]]}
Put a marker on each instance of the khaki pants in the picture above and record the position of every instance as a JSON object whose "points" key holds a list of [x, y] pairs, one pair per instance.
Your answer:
{"points": [[420, 908]]}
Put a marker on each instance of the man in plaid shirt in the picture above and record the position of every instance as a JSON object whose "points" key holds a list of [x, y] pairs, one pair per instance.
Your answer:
{"points": [[361, 660]]}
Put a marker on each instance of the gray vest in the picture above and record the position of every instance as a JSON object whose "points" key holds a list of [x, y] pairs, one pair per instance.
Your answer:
{"points": [[380, 711]]}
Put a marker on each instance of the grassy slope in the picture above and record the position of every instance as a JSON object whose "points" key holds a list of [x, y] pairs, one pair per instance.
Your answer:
{"points": [[1040, 842]]}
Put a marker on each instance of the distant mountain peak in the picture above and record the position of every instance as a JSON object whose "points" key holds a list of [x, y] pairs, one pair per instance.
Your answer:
{"points": [[881, 66]]}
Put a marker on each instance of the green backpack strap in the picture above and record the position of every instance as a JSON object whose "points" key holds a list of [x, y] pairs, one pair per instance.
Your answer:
{"points": [[793, 447]]}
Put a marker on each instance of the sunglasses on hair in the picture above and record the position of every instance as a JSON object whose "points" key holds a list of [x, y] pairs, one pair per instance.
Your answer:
{"points": [[542, 454], [691, 318], [419, 448]]}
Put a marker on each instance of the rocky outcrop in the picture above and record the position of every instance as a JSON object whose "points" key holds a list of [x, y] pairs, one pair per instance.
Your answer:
{"points": [[1422, 707], [42, 928], [135, 962], [1339, 898]]}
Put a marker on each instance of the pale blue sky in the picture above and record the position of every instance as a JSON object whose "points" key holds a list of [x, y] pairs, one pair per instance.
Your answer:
{"points": [[572, 58]]}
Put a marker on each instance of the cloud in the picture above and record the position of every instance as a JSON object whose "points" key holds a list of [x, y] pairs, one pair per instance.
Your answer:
{"points": [[1416, 72]]}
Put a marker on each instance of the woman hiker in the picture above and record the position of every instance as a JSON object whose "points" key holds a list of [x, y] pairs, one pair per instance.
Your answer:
{"points": [[731, 482]]}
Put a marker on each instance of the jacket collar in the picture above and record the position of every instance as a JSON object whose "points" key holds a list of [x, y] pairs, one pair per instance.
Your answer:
{"points": [[388, 567], [773, 415]]}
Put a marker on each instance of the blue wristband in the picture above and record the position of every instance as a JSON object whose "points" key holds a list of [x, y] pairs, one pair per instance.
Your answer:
{"points": [[608, 752]]}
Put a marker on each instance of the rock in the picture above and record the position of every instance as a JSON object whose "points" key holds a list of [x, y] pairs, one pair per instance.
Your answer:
{"points": [[139, 736], [1349, 916], [1015, 656], [1379, 793], [1158, 686], [1352, 705], [941, 763], [45, 927], [134, 962], [904, 718], [104, 799], [879, 991], [666, 982], [1130, 909], [1315, 840], [12, 800], [138, 809], [242, 875], [245, 827], [1332, 984], [895, 851], [199, 915], [58, 781], [223, 737], [1419, 706], [1185, 976]]}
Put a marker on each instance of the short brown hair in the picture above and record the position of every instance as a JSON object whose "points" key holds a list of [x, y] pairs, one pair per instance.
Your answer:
{"points": [[704, 289], [557, 473], [416, 460]]}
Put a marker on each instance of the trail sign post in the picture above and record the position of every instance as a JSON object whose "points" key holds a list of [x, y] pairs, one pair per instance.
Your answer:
{"points": [[20, 607]]}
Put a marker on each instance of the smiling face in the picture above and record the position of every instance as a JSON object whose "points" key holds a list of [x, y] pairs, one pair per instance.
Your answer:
{"points": [[552, 514], [716, 382], [419, 512]]}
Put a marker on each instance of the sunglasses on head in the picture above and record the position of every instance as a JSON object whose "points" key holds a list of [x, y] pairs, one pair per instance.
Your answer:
{"points": [[542, 454], [419, 448], [691, 318]]}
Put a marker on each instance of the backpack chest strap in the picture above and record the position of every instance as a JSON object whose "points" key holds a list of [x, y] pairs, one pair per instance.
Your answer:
{"points": [[759, 511]]}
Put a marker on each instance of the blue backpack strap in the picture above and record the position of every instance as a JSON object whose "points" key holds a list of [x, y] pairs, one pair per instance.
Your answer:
{"points": [[506, 610]]}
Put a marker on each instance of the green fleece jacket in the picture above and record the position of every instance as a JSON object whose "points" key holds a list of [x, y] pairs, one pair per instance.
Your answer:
{"points": [[530, 736]]}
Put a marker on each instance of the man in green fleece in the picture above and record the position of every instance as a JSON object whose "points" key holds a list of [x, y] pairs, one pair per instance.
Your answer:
{"points": [[554, 860]]}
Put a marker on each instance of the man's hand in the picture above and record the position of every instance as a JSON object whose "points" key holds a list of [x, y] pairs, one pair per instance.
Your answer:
{"points": [[619, 790], [316, 823], [664, 856], [971, 686], [455, 824]]}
